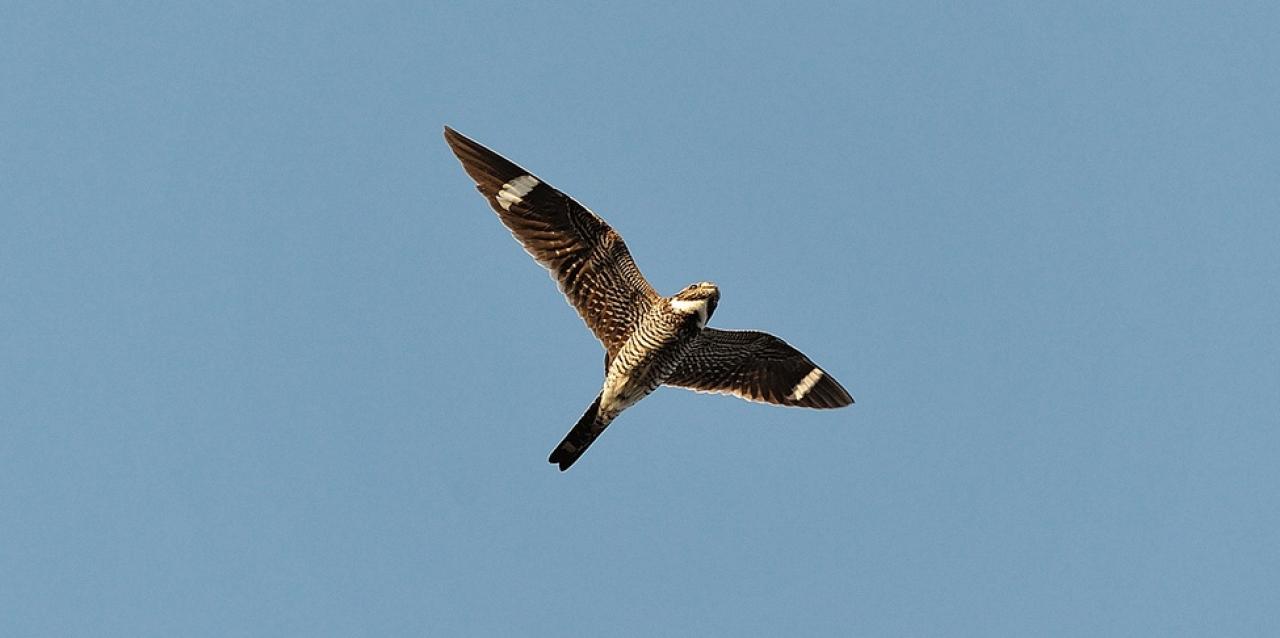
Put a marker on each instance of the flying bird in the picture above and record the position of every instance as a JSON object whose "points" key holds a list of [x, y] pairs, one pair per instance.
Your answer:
{"points": [[649, 340]]}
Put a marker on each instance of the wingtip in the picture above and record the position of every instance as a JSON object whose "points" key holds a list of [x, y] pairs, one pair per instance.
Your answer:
{"points": [[457, 140], [840, 397]]}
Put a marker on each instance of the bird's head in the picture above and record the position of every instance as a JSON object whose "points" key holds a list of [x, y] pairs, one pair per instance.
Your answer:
{"points": [[697, 299]]}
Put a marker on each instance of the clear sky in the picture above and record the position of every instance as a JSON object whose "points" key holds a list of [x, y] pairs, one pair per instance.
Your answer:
{"points": [[270, 366]]}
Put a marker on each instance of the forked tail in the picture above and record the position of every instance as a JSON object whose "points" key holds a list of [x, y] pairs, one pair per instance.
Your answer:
{"points": [[580, 437]]}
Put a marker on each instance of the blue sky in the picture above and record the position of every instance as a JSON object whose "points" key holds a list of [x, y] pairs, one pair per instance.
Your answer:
{"points": [[272, 367]]}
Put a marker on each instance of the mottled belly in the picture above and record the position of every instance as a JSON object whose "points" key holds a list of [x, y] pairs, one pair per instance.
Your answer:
{"points": [[634, 375]]}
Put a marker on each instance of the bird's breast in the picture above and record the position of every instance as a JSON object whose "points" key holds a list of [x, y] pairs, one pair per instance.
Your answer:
{"points": [[647, 358]]}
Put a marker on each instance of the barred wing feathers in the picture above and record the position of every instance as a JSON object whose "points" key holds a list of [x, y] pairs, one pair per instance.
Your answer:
{"points": [[758, 367], [586, 257]]}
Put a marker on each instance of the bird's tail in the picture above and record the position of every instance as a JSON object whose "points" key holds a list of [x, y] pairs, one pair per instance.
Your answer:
{"points": [[580, 437]]}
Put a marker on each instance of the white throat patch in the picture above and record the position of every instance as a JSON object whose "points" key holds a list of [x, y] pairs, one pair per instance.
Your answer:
{"points": [[685, 307]]}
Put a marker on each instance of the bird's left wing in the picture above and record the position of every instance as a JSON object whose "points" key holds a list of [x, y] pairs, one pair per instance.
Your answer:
{"points": [[585, 255], [756, 366]]}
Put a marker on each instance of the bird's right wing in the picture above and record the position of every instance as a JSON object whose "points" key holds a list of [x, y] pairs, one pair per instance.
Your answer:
{"points": [[585, 255], [756, 366]]}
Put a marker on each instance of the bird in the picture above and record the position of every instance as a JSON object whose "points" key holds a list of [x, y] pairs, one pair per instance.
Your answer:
{"points": [[649, 340]]}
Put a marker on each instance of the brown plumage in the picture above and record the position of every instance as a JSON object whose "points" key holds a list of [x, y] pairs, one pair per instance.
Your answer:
{"points": [[649, 340], [585, 255], [755, 366]]}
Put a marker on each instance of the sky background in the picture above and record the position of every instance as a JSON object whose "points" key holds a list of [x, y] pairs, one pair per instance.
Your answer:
{"points": [[270, 366]]}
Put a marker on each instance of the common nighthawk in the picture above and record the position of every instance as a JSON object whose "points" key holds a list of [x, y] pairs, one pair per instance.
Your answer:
{"points": [[649, 340]]}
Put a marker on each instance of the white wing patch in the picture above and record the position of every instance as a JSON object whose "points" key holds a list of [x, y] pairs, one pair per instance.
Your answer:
{"points": [[806, 384], [513, 192]]}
